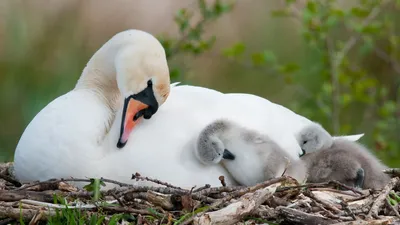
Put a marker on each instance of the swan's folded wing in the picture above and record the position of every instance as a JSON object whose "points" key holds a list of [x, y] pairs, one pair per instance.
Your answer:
{"points": [[354, 137]]}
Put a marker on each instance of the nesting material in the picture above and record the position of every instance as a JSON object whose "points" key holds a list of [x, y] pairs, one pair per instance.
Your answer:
{"points": [[280, 200]]}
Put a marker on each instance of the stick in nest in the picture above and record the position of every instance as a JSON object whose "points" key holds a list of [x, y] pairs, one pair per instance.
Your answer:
{"points": [[324, 203], [137, 176], [380, 200], [52, 182], [238, 193]]}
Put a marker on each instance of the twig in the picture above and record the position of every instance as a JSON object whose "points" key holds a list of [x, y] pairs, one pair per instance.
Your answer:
{"points": [[201, 188], [317, 185], [345, 206], [331, 215], [11, 180], [117, 198], [394, 210], [127, 210], [346, 187], [234, 212], [324, 203], [137, 176], [58, 206], [25, 214], [240, 193], [293, 216], [392, 171], [380, 200], [222, 179], [56, 181], [336, 191]]}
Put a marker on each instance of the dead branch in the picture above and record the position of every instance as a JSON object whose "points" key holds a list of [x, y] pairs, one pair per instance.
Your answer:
{"points": [[294, 216], [137, 176], [326, 204], [25, 214], [234, 212], [394, 172], [380, 200]]}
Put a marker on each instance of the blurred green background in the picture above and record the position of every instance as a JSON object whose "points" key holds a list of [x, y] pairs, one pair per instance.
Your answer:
{"points": [[284, 51]]}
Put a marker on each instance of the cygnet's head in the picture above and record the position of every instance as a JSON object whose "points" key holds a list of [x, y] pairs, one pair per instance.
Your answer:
{"points": [[314, 137], [142, 76], [210, 149]]}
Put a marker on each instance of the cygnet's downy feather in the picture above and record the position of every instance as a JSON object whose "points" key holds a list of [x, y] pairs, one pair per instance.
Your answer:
{"points": [[313, 138], [250, 157], [347, 162]]}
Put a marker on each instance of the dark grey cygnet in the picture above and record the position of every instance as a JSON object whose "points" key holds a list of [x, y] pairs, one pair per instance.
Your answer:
{"points": [[347, 162]]}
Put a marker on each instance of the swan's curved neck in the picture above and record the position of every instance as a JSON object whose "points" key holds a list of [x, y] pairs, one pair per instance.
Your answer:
{"points": [[99, 76]]}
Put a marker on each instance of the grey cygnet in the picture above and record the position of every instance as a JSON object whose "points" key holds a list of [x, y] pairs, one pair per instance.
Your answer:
{"points": [[347, 162], [250, 157], [313, 138]]}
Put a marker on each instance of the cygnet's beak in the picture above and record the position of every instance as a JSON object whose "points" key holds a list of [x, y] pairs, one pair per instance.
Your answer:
{"points": [[228, 155], [303, 152], [135, 106]]}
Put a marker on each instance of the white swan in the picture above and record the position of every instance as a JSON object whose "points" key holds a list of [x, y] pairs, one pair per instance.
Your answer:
{"points": [[79, 134]]}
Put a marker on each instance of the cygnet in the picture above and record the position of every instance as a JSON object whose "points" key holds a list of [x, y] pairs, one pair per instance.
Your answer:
{"points": [[347, 162], [250, 157], [314, 137]]}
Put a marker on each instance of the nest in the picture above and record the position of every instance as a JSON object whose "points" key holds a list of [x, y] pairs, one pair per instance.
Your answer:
{"points": [[280, 200]]}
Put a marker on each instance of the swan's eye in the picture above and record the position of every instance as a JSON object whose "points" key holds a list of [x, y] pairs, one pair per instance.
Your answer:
{"points": [[149, 83]]}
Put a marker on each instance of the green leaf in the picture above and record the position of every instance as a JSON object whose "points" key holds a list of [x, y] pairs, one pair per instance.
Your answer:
{"points": [[372, 28], [280, 13], [235, 51], [331, 21], [367, 46], [261, 58], [388, 109], [345, 99], [289, 68], [311, 7], [359, 12]]}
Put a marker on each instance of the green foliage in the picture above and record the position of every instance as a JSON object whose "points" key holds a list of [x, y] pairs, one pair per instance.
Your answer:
{"points": [[95, 186], [343, 38], [192, 40]]}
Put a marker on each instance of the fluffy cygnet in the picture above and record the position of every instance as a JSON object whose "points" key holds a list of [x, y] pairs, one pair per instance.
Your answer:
{"points": [[347, 162], [314, 137], [248, 156]]}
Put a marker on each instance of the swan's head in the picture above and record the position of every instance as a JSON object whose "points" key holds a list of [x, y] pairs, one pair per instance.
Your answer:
{"points": [[142, 77], [314, 137]]}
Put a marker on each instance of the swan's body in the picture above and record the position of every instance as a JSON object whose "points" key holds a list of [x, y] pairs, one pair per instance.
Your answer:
{"points": [[249, 156], [85, 132], [347, 162]]}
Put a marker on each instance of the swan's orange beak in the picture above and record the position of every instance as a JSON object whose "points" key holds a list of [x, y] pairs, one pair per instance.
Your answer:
{"points": [[130, 117]]}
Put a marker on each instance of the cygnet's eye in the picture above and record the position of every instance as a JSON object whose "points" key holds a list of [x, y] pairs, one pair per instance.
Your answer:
{"points": [[213, 143], [149, 82], [304, 142]]}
